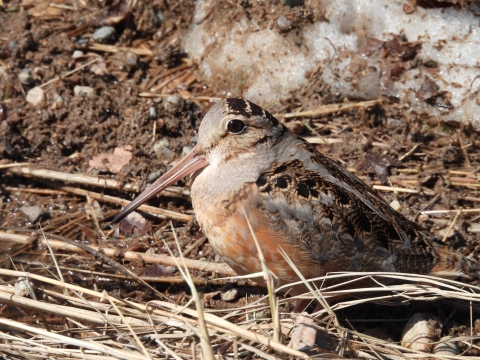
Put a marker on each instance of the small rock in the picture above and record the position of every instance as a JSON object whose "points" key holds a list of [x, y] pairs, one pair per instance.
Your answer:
{"points": [[25, 78], [33, 213], [77, 54], [420, 332], [104, 33], [186, 150], [99, 68], [162, 151], [23, 287], [165, 154], [218, 258], [58, 99], [202, 259], [125, 60], [230, 295], [164, 142], [173, 104], [395, 205], [307, 335], [152, 112], [81, 42], [131, 59], [35, 96], [154, 176], [284, 23], [194, 139], [83, 90], [293, 3], [446, 347]]}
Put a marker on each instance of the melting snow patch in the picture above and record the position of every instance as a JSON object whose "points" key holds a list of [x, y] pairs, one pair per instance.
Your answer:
{"points": [[363, 49]]}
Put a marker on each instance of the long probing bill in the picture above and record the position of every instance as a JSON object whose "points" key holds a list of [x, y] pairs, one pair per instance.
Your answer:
{"points": [[188, 165]]}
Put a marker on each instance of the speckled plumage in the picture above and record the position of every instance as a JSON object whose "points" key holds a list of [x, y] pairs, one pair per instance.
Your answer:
{"points": [[324, 217]]}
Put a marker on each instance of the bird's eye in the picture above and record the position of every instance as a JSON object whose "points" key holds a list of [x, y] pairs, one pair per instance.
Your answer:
{"points": [[236, 126]]}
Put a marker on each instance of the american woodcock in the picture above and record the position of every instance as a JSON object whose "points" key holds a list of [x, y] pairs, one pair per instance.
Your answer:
{"points": [[325, 218]]}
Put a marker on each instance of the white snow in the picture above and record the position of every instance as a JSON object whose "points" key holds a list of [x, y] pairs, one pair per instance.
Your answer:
{"points": [[268, 65]]}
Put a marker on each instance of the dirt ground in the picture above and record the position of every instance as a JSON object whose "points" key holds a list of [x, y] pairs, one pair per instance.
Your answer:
{"points": [[140, 108]]}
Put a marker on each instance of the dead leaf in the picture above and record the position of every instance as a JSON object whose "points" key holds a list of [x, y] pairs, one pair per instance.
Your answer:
{"points": [[428, 90], [134, 224], [157, 270], [111, 162]]}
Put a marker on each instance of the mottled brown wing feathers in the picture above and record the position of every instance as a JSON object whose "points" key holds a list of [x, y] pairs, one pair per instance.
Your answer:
{"points": [[341, 231]]}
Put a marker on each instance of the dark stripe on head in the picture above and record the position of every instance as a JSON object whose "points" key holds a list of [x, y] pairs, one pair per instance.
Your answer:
{"points": [[255, 110], [238, 107], [270, 117], [247, 108]]}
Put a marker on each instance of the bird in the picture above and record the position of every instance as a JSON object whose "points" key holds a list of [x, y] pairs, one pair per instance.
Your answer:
{"points": [[251, 176]]}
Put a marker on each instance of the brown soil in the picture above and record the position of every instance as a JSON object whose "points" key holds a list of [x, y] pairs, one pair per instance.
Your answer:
{"points": [[69, 130]]}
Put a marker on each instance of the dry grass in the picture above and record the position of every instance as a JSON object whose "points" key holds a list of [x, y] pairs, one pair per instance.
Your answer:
{"points": [[98, 325]]}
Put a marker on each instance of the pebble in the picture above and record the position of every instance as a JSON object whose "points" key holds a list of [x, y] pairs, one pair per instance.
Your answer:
{"points": [[58, 99], [23, 287], [33, 213], [152, 112], [307, 335], [284, 23], [163, 142], [154, 176], [162, 151], [446, 347], [230, 295], [420, 332], [83, 90], [104, 33], [35, 96], [186, 150], [25, 78], [395, 205], [77, 54], [131, 59], [173, 104]]}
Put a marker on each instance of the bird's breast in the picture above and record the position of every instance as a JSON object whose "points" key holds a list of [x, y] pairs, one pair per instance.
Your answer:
{"points": [[233, 220]]}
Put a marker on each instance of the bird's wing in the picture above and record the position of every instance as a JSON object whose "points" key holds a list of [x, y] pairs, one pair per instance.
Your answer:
{"points": [[344, 225]]}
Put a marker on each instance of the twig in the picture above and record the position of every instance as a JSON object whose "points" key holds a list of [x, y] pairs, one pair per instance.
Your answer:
{"points": [[218, 268], [395, 189], [449, 211], [196, 244], [68, 73], [85, 179], [9, 166], [114, 49], [447, 234], [324, 141], [331, 108], [412, 150], [161, 213], [464, 149]]}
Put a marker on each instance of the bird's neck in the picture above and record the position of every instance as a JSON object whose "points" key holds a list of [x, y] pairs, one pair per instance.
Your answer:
{"points": [[222, 179]]}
